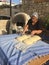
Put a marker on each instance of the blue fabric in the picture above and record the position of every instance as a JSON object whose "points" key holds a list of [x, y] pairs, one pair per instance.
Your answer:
{"points": [[8, 37], [15, 56], [3, 58]]}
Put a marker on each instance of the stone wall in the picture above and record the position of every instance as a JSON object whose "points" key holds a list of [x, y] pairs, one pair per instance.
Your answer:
{"points": [[29, 6], [6, 11]]}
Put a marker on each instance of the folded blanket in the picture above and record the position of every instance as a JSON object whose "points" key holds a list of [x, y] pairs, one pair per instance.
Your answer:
{"points": [[32, 40], [23, 37], [26, 42]]}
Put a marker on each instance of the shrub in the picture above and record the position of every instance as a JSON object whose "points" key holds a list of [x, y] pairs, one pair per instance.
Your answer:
{"points": [[46, 22]]}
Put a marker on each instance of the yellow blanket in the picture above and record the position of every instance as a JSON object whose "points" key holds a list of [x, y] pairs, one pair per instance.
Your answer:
{"points": [[32, 40], [26, 41], [23, 37]]}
